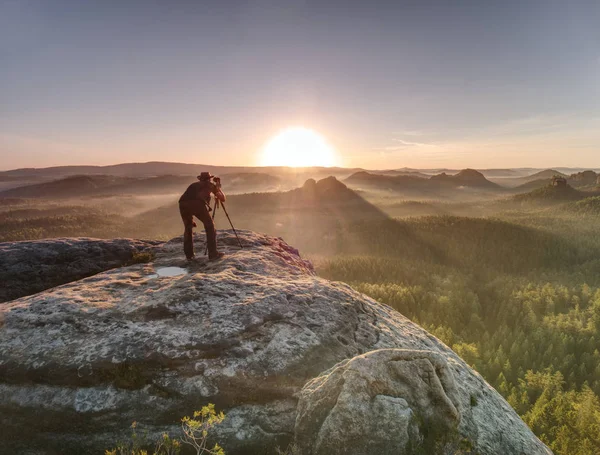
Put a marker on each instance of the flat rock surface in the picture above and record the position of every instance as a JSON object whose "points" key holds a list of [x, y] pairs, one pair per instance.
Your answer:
{"points": [[33, 266], [81, 361]]}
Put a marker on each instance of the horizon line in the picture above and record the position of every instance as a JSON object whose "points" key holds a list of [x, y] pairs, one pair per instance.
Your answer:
{"points": [[293, 168]]}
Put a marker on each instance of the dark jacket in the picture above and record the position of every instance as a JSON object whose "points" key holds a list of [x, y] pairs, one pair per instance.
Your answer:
{"points": [[199, 191]]}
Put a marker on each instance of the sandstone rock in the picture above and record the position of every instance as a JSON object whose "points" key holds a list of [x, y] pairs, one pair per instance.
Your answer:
{"points": [[80, 362], [390, 401], [33, 266], [585, 177]]}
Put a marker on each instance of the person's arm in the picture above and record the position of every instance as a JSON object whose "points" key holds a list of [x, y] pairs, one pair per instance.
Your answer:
{"points": [[218, 193]]}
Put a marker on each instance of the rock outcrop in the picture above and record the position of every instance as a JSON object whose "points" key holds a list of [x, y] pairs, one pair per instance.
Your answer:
{"points": [[390, 401], [33, 266], [583, 178], [283, 352]]}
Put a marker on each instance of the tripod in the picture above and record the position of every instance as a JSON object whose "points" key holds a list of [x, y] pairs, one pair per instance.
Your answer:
{"points": [[217, 204]]}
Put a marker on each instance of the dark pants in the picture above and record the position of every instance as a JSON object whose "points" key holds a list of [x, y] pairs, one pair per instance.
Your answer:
{"points": [[198, 209]]}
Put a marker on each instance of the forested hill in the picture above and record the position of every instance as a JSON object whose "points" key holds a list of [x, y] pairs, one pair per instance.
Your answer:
{"points": [[518, 299]]}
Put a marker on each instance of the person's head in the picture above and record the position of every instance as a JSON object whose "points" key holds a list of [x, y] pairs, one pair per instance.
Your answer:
{"points": [[205, 176]]}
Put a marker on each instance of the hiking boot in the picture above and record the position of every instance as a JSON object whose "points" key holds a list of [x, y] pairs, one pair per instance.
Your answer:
{"points": [[214, 257]]}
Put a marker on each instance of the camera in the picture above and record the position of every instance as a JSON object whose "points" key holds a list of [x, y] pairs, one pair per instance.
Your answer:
{"points": [[217, 181]]}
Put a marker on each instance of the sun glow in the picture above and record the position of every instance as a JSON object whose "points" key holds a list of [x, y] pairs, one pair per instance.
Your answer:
{"points": [[298, 147]]}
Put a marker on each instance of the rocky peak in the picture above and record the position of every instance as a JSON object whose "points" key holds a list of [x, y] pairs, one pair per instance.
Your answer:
{"points": [[289, 356], [324, 186], [310, 185], [588, 177], [325, 190], [466, 177], [329, 184], [470, 175], [441, 176]]}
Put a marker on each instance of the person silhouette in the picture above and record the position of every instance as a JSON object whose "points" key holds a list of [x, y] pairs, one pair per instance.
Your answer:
{"points": [[195, 202]]}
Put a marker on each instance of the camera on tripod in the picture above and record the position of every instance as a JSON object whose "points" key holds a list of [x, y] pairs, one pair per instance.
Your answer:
{"points": [[221, 203]]}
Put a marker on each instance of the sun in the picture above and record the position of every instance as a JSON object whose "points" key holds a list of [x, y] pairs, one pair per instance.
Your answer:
{"points": [[298, 147]]}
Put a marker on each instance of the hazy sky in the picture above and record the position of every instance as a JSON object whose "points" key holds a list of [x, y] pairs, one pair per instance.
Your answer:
{"points": [[389, 83]]}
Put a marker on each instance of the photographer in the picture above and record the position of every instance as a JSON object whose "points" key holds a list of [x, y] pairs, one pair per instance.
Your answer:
{"points": [[196, 202]]}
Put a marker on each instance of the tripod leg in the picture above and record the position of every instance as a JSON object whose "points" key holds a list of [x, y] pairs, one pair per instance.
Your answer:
{"points": [[234, 231], [213, 218]]}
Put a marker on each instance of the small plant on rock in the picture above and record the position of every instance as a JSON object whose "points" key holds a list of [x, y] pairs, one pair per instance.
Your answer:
{"points": [[196, 428], [167, 446]]}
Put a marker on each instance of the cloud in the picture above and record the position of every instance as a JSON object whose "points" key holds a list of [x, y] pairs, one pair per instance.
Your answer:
{"points": [[416, 133], [402, 144], [540, 140]]}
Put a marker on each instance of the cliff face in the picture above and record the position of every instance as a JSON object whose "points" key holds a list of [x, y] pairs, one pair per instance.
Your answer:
{"points": [[288, 356]]}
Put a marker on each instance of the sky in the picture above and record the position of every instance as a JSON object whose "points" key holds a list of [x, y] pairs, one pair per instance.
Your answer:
{"points": [[388, 84]]}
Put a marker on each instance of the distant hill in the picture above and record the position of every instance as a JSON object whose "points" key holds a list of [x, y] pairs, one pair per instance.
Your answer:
{"points": [[488, 173], [465, 183], [110, 185], [288, 177], [74, 186], [7, 181], [156, 168], [547, 174], [542, 178], [466, 177], [399, 172], [551, 194], [581, 180], [534, 184], [149, 169]]}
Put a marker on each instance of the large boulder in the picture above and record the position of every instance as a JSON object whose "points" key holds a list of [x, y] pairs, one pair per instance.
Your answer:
{"points": [[154, 342], [33, 266], [390, 401]]}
